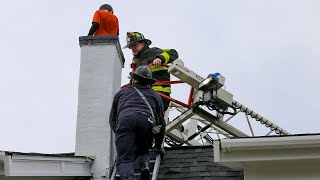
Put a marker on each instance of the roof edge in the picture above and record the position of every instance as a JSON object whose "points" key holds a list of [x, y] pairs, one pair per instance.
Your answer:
{"points": [[311, 141]]}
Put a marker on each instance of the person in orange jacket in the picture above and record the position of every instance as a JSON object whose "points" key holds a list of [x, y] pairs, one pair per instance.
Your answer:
{"points": [[104, 22]]}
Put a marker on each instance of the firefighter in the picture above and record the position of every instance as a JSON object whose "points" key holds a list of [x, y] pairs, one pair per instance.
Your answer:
{"points": [[133, 130], [104, 22], [144, 55]]}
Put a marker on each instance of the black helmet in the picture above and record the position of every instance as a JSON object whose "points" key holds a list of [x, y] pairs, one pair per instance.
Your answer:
{"points": [[143, 74], [134, 37], [106, 7]]}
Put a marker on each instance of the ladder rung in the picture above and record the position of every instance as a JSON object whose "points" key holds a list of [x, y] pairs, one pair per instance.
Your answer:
{"points": [[152, 161]]}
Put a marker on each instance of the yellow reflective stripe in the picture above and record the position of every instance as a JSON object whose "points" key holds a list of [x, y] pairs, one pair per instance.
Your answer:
{"points": [[157, 68], [162, 89], [166, 56]]}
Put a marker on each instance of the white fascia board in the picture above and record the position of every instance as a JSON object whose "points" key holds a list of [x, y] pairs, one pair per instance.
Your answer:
{"points": [[244, 152], [264, 143], [49, 158], [28, 165]]}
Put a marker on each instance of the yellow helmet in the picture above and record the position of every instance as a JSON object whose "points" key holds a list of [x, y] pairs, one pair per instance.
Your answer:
{"points": [[134, 37]]}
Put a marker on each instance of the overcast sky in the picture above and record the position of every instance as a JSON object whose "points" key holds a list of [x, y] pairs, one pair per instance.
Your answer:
{"points": [[268, 50]]}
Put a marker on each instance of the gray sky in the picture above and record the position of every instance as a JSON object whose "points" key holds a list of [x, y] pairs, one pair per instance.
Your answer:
{"points": [[268, 51]]}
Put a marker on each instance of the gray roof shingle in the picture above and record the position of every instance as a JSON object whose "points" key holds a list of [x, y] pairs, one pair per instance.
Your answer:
{"points": [[194, 163]]}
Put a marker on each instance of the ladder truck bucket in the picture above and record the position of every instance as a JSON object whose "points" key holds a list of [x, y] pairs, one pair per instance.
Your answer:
{"points": [[186, 75]]}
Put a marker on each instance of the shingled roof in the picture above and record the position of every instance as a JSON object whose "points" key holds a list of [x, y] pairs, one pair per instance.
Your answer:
{"points": [[194, 163]]}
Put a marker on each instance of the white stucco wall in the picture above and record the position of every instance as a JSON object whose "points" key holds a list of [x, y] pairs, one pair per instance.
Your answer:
{"points": [[290, 170]]}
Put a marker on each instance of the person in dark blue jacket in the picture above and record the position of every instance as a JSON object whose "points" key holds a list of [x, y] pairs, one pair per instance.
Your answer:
{"points": [[129, 120]]}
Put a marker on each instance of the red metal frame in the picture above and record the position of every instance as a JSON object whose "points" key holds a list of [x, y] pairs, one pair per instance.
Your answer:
{"points": [[190, 99], [174, 100], [167, 83]]}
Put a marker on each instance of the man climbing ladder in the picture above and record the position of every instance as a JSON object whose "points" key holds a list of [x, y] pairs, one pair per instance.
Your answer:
{"points": [[131, 119]]}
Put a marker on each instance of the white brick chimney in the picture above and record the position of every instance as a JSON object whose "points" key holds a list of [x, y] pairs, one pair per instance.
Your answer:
{"points": [[100, 78]]}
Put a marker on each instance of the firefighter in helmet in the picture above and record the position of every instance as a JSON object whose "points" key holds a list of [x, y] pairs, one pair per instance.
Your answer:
{"points": [[145, 55], [130, 120]]}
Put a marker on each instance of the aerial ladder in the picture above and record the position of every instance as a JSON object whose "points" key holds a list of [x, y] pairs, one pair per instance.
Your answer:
{"points": [[209, 109]]}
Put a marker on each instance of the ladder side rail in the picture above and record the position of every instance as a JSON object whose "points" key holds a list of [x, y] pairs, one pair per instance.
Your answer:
{"points": [[114, 171], [156, 168], [278, 130], [181, 138], [217, 129], [179, 120], [221, 124], [205, 122]]}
